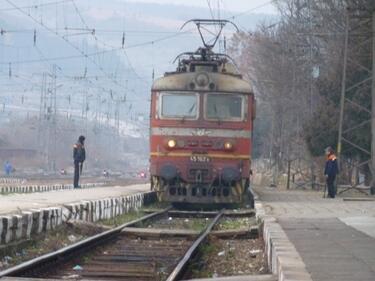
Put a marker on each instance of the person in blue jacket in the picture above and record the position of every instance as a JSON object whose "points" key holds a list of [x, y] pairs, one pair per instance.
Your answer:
{"points": [[79, 156], [7, 168], [330, 171]]}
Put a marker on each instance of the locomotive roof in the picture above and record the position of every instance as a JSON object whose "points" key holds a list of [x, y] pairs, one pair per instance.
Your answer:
{"points": [[203, 71]]}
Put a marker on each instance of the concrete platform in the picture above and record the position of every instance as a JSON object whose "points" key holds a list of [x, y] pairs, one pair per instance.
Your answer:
{"points": [[334, 238], [265, 277], [15, 203]]}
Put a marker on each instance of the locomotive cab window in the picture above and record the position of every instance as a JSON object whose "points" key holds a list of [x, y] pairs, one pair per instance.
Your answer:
{"points": [[178, 106], [224, 107]]}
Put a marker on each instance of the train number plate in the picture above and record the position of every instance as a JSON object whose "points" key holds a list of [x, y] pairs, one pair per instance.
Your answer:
{"points": [[200, 159]]}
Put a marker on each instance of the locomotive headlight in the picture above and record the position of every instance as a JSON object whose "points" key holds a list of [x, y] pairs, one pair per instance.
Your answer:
{"points": [[228, 145], [202, 79], [172, 143]]}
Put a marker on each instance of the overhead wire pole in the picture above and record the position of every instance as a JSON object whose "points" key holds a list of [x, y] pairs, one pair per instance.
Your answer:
{"points": [[360, 26], [373, 108], [82, 53], [343, 88], [311, 86]]}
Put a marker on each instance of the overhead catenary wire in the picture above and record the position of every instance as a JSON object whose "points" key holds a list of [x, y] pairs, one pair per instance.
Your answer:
{"points": [[251, 10], [21, 77], [98, 30], [151, 42], [102, 42], [36, 6], [210, 8], [45, 59], [60, 69], [237, 15], [83, 54], [136, 45], [67, 41], [29, 80]]}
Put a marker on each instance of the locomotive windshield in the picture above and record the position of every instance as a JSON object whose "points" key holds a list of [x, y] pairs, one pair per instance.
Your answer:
{"points": [[226, 107], [179, 105]]}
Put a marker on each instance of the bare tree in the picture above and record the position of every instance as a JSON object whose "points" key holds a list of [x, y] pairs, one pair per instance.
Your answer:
{"points": [[295, 66]]}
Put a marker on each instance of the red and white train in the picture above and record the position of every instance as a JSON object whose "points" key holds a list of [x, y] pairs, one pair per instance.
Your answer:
{"points": [[201, 129]]}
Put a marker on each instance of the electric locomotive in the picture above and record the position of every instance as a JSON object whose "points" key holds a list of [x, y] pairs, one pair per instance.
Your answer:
{"points": [[201, 125]]}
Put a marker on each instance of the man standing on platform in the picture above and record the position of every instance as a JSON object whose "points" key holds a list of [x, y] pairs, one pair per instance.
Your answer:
{"points": [[79, 156], [330, 171], [7, 168]]}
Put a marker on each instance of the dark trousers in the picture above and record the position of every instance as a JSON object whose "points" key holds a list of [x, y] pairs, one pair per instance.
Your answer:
{"points": [[331, 187], [76, 174]]}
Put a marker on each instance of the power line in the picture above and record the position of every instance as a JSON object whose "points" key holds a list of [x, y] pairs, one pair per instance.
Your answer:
{"points": [[61, 57], [60, 69], [252, 9], [67, 41], [97, 39], [13, 46], [82, 53], [44, 59], [98, 30], [20, 77], [151, 42], [105, 44], [36, 5], [211, 11], [137, 45], [132, 68]]}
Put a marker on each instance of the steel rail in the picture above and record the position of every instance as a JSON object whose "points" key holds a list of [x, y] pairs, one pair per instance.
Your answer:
{"points": [[69, 250], [179, 270]]}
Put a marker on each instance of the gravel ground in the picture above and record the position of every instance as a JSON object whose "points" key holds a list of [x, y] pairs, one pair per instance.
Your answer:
{"points": [[60, 237], [235, 223], [178, 223], [231, 257], [119, 220]]}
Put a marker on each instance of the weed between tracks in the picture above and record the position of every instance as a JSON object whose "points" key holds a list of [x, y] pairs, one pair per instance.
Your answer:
{"points": [[128, 217], [166, 222], [228, 223], [227, 257], [230, 256], [119, 220], [64, 235], [58, 238]]}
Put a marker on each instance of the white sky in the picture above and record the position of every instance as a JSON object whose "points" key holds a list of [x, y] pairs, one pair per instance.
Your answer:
{"points": [[231, 5]]}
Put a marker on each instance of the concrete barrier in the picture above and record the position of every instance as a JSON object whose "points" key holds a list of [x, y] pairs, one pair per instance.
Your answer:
{"points": [[27, 224], [283, 259], [43, 188], [9, 180]]}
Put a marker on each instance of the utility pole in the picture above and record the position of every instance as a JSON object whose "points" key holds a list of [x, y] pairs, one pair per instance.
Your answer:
{"points": [[312, 168], [41, 114], [373, 108], [360, 25], [343, 88], [54, 120]]}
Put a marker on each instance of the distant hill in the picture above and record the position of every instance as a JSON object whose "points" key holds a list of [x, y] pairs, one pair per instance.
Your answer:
{"points": [[85, 86], [142, 22]]}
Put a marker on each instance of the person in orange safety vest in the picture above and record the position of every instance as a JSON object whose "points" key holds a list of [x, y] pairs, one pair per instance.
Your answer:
{"points": [[330, 171]]}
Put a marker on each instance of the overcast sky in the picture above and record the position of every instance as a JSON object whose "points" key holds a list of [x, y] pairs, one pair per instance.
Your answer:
{"points": [[255, 6]]}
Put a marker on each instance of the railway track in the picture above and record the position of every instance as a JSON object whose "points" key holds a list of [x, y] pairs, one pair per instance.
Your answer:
{"points": [[120, 255]]}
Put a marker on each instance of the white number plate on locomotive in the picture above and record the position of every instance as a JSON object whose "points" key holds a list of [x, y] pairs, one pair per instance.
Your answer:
{"points": [[200, 159]]}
